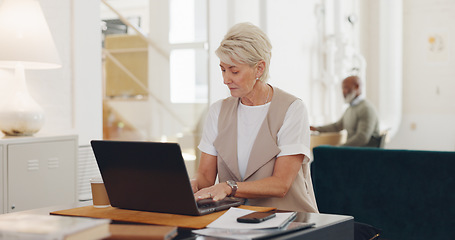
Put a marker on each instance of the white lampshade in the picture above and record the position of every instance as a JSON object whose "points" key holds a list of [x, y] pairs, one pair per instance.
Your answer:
{"points": [[25, 36], [25, 43]]}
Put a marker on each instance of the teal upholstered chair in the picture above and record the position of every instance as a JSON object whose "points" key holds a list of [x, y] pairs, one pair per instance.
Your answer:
{"points": [[408, 194]]}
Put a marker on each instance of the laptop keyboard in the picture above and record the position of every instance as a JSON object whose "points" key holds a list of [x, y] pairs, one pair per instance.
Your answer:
{"points": [[209, 203]]}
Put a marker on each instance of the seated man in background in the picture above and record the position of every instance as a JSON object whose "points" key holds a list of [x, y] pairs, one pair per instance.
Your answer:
{"points": [[360, 119]]}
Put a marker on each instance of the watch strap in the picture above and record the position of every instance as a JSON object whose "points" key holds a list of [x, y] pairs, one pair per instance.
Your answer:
{"points": [[234, 187]]}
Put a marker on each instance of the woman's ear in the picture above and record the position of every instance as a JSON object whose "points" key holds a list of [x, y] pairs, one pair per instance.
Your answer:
{"points": [[260, 68]]}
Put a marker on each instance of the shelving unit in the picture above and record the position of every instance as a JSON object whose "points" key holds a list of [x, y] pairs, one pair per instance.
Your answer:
{"points": [[37, 171]]}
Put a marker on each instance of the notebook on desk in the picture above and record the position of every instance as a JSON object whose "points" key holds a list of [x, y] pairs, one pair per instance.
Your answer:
{"points": [[150, 176]]}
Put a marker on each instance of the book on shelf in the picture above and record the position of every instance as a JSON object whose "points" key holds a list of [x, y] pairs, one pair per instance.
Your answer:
{"points": [[47, 227], [141, 231]]}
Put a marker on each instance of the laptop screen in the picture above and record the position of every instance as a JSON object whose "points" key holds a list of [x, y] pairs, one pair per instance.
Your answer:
{"points": [[146, 176]]}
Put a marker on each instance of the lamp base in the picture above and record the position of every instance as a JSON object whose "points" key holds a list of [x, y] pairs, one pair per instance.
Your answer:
{"points": [[21, 123], [20, 115]]}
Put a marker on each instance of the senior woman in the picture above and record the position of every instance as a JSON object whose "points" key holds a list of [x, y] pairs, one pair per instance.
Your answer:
{"points": [[257, 141]]}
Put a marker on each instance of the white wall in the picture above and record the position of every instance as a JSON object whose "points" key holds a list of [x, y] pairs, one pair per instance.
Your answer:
{"points": [[52, 89], [428, 77], [71, 96], [87, 91], [218, 26], [290, 25], [381, 28], [427, 101]]}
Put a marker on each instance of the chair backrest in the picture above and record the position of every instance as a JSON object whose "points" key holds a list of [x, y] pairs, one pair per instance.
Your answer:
{"points": [[382, 139], [385, 189]]}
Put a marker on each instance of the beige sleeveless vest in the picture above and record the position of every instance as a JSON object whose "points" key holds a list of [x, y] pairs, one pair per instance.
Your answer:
{"points": [[300, 196]]}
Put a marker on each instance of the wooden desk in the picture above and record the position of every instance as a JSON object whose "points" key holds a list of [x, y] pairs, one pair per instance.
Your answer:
{"points": [[327, 138], [328, 226]]}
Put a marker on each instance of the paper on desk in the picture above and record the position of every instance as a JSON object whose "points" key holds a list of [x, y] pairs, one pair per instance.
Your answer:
{"points": [[227, 226], [241, 234], [229, 220]]}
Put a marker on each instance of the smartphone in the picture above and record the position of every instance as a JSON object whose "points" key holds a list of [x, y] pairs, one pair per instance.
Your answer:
{"points": [[256, 217]]}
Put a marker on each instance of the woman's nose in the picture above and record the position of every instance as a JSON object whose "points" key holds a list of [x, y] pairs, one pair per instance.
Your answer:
{"points": [[226, 80]]}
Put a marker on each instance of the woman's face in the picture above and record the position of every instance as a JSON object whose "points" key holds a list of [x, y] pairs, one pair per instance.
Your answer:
{"points": [[239, 78]]}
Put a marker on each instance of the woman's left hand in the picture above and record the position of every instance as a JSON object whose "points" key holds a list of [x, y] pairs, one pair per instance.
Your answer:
{"points": [[216, 192]]}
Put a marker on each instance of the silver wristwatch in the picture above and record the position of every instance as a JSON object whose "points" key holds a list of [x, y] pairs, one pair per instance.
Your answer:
{"points": [[233, 185]]}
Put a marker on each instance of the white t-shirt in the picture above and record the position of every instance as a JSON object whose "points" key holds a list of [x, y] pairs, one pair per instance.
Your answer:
{"points": [[293, 136]]}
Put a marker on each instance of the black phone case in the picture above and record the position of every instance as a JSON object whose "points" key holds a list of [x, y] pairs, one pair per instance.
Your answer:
{"points": [[255, 217]]}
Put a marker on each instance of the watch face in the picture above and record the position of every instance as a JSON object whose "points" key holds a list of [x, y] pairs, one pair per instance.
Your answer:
{"points": [[231, 183], [233, 186]]}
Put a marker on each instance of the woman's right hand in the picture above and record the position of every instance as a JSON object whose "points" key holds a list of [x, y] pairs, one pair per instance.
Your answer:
{"points": [[194, 185], [216, 192]]}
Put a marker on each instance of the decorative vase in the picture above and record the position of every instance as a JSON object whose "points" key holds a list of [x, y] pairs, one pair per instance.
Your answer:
{"points": [[20, 115]]}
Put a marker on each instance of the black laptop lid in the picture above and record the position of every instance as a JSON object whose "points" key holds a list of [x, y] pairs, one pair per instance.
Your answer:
{"points": [[146, 176]]}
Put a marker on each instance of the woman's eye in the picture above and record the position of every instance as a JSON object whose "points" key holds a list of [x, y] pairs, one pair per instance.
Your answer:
{"points": [[235, 72]]}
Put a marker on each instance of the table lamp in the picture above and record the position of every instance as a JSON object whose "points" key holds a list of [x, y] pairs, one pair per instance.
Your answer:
{"points": [[25, 43]]}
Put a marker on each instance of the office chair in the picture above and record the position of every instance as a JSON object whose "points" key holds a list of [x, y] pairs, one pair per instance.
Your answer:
{"points": [[382, 138]]}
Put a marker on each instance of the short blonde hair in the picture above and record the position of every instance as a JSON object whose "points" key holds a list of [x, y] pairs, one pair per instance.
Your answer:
{"points": [[247, 44]]}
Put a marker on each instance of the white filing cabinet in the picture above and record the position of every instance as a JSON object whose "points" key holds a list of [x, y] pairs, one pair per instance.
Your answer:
{"points": [[37, 171]]}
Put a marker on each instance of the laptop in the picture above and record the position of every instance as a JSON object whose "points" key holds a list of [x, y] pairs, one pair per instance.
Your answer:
{"points": [[150, 176]]}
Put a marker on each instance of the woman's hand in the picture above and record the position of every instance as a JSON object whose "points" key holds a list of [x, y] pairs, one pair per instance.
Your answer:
{"points": [[206, 175], [216, 192], [194, 185]]}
